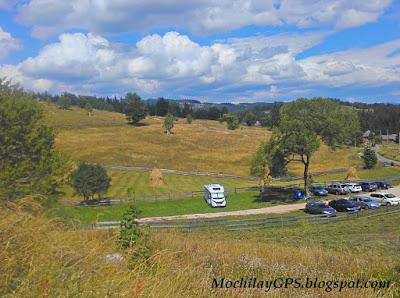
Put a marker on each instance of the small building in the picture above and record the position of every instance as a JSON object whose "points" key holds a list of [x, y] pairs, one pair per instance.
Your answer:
{"points": [[367, 134]]}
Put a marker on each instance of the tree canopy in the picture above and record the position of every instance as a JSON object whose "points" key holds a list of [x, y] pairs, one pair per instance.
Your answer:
{"points": [[304, 124], [134, 108], [28, 162], [89, 180]]}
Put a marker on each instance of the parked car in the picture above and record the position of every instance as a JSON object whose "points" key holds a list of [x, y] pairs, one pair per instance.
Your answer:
{"points": [[382, 185], [338, 189], [369, 186], [319, 191], [365, 202], [386, 198], [320, 207], [344, 205], [354, 187]]}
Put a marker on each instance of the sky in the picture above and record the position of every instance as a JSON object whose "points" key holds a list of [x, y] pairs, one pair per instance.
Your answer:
{"points": [[209, 50]]}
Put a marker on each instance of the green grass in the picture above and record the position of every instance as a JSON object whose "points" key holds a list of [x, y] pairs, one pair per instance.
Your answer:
{"points": [[390, 150], [241, 201], [173, 183]]}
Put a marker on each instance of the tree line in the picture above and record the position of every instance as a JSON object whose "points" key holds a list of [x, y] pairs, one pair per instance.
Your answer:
{"points": [[159, 107]]}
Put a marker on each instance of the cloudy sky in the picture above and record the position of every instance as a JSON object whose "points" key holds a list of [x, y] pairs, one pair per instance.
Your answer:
{"points": [[214, 50]]}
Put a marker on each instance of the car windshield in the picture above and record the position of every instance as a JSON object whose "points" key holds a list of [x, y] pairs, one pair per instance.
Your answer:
{"points": [[389, 195]]}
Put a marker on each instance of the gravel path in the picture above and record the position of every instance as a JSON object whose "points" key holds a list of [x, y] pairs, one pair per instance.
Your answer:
{"points": [[266, 210], [384, 159]]}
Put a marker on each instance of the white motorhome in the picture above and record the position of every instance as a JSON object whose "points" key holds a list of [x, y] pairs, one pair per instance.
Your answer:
{"points": [[214, 195]]}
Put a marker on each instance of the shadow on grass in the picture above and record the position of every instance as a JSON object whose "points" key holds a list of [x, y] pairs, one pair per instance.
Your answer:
{"points": [[140, 124], [276, 195]]}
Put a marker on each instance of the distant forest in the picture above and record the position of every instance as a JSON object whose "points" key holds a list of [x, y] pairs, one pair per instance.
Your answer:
{"points": [[378, 117]]}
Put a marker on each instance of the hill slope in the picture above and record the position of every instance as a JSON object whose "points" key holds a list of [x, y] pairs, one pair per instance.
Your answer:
{"points": [[203, 145]]}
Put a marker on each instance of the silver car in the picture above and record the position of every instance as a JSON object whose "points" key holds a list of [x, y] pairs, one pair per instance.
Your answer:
{"points": [[338, 189]]}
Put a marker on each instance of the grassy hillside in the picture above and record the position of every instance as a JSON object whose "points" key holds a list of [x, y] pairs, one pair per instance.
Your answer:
{"points": [[201, 146], [41, 258]]}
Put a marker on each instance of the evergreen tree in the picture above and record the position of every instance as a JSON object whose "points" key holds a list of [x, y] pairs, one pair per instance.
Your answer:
{"points": [[369, 157], [28, 162]]}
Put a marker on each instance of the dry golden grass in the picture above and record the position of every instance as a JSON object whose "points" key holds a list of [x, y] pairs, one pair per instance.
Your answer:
{"points": [[41, 258], [78, 118], [201, 146]]}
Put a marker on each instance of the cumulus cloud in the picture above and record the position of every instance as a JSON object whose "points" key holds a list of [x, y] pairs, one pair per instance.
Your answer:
{"points": [[49, 17], [7, 44], [261, 67]]}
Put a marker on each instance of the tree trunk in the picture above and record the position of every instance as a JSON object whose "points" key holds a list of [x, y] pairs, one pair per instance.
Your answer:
{"points": [[306, 162]]}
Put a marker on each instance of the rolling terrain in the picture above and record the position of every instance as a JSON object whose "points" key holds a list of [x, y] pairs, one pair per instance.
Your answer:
{"points": [[203, 146]]}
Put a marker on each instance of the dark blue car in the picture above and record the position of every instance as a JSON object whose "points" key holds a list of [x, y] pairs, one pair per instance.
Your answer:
{"points": [[313, 207], [344, 205], [382, 185], [319, 191]]}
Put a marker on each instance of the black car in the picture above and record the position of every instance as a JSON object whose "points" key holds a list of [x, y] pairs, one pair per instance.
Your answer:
{"points": [[344, 205], [382, 185], [313, 207], [369, 186]]}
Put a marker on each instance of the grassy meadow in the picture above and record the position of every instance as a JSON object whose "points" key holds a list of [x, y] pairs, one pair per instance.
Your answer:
{"points": [[203, 145], [40, 257], [142, 186]]}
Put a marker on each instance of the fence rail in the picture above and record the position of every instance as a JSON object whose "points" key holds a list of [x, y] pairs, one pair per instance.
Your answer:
{"points": [[249, 223], [199, 193]]}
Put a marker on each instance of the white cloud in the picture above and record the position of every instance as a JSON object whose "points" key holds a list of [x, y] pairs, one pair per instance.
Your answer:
{"points": [[373, 66], [7, 44], [259, 67], [49, 17]]}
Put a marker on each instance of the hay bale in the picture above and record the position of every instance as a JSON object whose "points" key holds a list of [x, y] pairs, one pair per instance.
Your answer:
{"points": [[352, 174], [156, 178]]}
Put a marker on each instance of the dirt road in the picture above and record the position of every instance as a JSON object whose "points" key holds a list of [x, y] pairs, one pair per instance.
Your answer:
{"points": [[267, 210]]}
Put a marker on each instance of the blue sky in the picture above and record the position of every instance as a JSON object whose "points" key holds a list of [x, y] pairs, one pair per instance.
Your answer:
{"points": [[237, 51]]}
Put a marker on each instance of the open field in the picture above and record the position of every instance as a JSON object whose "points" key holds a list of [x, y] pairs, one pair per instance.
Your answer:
{"points": [[240, 201], [68, 262], [203, 145], [390, 150], [173, 183]]}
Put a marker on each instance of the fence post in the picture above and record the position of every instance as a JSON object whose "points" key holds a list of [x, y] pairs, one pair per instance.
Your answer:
{"points": [[235, 190], [281, 221], [192, 194]]}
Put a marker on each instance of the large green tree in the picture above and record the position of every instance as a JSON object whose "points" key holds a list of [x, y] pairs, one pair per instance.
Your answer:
{"points": [[305, 123], [134, 108], [89, 180], [28, 162]]}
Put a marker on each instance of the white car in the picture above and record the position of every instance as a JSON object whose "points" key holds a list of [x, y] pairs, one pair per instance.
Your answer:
{"points": [[386, 198], [354, 187]]}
